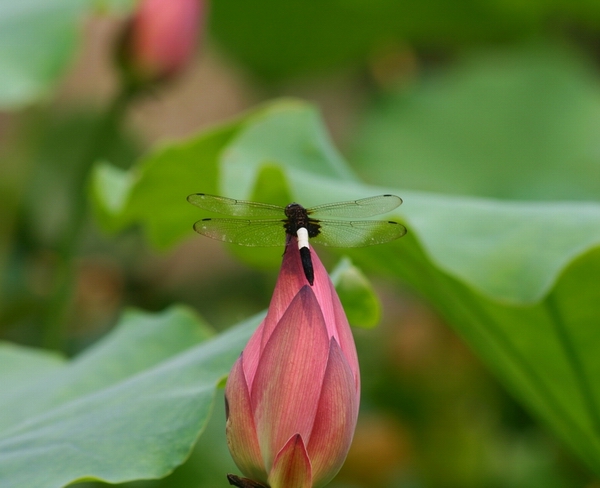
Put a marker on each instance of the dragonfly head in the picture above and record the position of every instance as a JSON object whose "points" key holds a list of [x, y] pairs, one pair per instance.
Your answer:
{"points": [[294, 209]]}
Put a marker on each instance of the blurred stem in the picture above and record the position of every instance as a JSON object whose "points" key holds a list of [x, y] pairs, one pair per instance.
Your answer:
{"points": [[55, 318]]}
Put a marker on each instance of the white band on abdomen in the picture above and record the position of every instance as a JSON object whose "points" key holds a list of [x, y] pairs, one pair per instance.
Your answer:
{"points": [[302, 237]]}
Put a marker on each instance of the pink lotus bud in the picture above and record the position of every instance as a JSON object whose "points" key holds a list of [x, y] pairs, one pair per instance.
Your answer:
{"points": [[292, 396], [160, 39]]}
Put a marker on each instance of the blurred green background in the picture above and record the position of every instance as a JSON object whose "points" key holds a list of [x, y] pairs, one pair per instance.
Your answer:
{"points": [[486, 99]]}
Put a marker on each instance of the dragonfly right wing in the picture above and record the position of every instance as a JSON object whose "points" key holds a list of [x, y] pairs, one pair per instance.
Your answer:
{"points": [[243, 232], [365, 207], [236, 208], [360, 233]]}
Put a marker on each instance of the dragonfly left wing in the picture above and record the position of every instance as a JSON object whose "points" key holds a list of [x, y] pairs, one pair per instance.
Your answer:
{"points": [[236, 208], [243, 232]]}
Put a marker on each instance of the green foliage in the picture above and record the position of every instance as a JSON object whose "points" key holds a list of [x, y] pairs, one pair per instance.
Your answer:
{"points": [[516, 279], [37, 39], [493, 246], [500, 124], [126, 197], [357, 295], [279, 39], [130, 407], [119, 6]]}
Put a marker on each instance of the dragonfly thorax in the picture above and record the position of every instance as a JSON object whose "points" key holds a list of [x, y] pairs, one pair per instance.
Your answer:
{"points": [[297, 217]]}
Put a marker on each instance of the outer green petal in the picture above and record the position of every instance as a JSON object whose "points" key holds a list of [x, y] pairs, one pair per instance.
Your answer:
{"points": [[335, 419], [287, 386], [290, 281], [291, 468], [252, 353], [240, 428]]}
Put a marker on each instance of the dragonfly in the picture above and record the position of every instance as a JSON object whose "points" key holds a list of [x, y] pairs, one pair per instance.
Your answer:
{"points": [[264, 224]]}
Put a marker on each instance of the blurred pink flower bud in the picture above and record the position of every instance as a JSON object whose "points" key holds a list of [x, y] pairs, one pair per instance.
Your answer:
{"points": [[292, 396], [160, 39]]}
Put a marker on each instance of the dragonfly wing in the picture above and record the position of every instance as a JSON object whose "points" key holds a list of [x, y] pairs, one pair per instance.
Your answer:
{"points": [[237, 208], [243, 232], [338, 233], [365, 207]]}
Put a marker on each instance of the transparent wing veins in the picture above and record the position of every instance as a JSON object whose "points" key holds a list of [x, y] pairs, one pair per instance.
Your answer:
{"points": [[236, 208], [365, 207], [252, 233], [271, 231], [359, 233]]}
